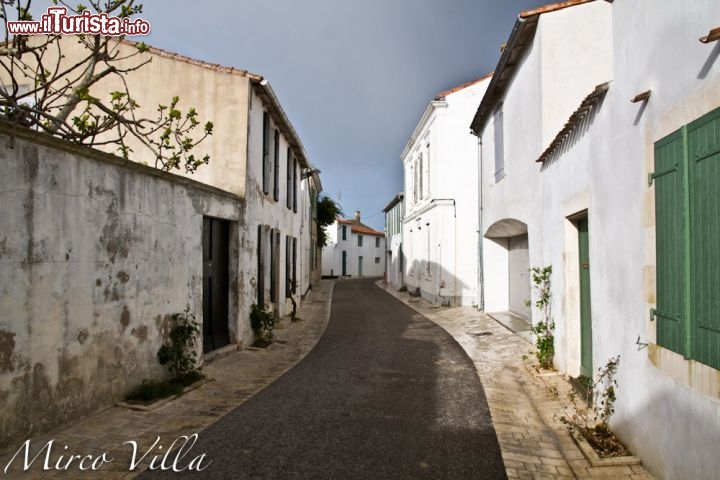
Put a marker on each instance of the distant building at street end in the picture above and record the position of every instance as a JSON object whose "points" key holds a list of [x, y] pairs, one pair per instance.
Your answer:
{"points": [[353, 250], [394, 261]]}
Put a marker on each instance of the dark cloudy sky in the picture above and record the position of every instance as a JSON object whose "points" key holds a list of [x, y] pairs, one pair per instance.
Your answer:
{"points": [[354, 76]]}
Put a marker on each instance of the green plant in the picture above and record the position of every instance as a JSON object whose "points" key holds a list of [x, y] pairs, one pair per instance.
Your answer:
{"points": [[604, 391], [328, 210], [592, 418], [544, 328], [262, 323], [180, 354]]}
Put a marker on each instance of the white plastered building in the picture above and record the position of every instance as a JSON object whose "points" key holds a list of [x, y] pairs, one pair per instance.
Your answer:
{"points": [[353, 249], [440, 225], [601, 154]]}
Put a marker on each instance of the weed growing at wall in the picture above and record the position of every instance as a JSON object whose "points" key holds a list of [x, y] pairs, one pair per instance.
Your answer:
{"points": [[180, 354], [262, 323], [544, 328], [591, 417]]}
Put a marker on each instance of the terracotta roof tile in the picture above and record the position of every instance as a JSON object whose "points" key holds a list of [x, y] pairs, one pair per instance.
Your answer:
{"points": [[461, 87], [366, 231], [359, 227], [552, 7], [583, 111], [199, 63]]}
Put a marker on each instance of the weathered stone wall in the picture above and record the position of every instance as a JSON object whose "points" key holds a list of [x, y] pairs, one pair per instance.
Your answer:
{"points": [[96, 254]]}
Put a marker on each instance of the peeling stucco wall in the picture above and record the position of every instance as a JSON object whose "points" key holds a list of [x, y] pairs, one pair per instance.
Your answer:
{"points": [[96, 254]]}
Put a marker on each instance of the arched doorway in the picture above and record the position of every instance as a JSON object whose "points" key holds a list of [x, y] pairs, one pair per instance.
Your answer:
{"points": [[507, 273]]}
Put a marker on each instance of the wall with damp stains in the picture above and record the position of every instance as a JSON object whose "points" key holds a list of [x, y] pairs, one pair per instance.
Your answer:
{"points": [[96, 254]]}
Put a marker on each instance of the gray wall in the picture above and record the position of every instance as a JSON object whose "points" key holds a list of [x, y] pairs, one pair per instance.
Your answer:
{"points": [[95, 255]]}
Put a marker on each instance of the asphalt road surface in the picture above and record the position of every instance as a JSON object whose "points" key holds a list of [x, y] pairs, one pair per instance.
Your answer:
{"points": [[385, 394]]}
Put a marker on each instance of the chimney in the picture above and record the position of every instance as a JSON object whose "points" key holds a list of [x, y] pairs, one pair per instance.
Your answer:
{"points": [[357, 216]]}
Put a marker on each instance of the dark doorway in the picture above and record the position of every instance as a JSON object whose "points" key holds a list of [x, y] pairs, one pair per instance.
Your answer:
{"points": [[344, 263], [216, 237]]}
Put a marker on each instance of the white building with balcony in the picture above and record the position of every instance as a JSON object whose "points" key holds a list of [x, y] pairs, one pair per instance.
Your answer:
{"points": [[440, 226]]}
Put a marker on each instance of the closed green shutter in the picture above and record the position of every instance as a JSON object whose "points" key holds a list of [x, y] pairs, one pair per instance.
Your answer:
{"points": [[704, 170], [670, 242]]}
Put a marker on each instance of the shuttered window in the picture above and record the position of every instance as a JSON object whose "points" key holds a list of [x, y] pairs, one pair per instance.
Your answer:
{"points": [[276, 168], [687, 205], [289, 179], [266, 154]]}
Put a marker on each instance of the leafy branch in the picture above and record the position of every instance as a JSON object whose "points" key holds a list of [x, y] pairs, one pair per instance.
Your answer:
{"points": [[48, 86]]}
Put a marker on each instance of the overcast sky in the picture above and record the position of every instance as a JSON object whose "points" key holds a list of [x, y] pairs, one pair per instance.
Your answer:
{"points": [[353, 76]]}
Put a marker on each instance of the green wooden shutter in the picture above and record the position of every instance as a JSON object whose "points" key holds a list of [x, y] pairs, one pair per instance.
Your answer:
{"points": [[670, 242], [704, 172]]}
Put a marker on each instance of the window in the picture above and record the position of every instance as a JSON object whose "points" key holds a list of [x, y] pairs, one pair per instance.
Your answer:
{"points": [[499, 153], [276, 167], [377, 242], [415, 183], [377, 259], [294, 265], [344, 232], [274, 247], [359, 240], [295, 184], [266, 153], [687, 211], [260, 268], [427, 171], [429, 252], [289, 179], [421, 186], [288, 267]]}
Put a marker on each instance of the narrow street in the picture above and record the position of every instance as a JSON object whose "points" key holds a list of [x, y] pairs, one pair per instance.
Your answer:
{"points": [[385, 394]]}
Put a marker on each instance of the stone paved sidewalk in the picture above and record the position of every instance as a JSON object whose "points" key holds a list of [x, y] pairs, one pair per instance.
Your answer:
{"points": [[235, 378], [523, 404]]}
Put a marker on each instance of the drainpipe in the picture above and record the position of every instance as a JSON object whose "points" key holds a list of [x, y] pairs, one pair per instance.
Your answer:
{"points": [[480, 266]]}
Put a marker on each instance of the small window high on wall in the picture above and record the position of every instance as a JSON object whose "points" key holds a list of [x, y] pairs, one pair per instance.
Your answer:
{"points": [[498, 137]]}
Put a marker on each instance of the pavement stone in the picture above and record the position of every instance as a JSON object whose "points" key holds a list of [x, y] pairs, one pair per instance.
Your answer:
{"points": [[524, 403]]}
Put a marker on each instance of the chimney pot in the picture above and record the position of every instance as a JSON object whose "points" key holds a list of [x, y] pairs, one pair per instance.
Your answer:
{"points": [[357, 216]]}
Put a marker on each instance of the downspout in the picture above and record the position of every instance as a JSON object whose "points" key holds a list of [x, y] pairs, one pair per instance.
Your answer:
{"points": [[480, 266]]}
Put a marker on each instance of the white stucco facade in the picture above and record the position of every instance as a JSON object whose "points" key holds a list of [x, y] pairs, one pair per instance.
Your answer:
{"points": [[272, 220], [394, 255], [353, 250], [440, 225], [594, 58]]}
